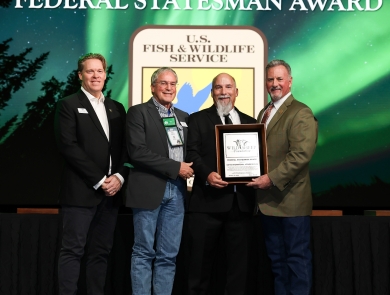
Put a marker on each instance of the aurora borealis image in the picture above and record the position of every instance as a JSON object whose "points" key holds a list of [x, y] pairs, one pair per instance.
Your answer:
{"points": [[340, 64]]}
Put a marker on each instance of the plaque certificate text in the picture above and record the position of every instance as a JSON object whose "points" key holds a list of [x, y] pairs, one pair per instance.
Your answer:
{"points": [[241, 154]]}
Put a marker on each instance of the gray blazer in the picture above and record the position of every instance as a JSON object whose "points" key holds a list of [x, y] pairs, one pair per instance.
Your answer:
{"points": [[147, 147]]}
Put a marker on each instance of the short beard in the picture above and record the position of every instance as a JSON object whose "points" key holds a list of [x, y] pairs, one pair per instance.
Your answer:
{"points": [[276, 97], [224, 109]]}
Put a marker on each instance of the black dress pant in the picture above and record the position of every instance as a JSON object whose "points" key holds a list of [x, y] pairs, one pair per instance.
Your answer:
{"points": [[206, 229], [88, 230]]}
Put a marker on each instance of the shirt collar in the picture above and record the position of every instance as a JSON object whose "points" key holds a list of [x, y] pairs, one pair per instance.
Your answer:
{"points": [[233, 112], [235, 118], [279, 102], [93, 98], [161, 108]]}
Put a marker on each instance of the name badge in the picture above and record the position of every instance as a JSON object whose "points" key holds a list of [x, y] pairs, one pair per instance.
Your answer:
{"points": [[82, 111], [172, 131]]}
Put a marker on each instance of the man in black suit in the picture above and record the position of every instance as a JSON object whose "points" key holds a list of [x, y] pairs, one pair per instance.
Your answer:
{"points": [[156, 134], [215, 207], [90, 136]]}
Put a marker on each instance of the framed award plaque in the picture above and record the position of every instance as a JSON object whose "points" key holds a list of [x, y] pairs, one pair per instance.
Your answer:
{"points": [[241, 152]]}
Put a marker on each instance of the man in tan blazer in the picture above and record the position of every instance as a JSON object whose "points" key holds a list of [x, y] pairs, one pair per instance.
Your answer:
{"points": [[284, 194]]}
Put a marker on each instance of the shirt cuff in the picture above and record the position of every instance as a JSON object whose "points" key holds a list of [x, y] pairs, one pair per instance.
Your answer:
{"points": [[96, 186], [120, 178]]}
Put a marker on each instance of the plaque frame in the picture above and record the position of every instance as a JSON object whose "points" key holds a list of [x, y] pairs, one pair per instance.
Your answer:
{"points": [[220, 130]]}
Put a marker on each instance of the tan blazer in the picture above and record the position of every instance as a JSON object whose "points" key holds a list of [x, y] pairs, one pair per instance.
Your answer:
{"points": [[291, 142]]}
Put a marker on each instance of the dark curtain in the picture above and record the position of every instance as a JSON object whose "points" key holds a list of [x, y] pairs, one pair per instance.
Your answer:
{"points": [[29, 247], [350, 256]]}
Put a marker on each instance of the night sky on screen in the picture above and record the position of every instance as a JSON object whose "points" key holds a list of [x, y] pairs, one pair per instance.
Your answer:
{"points": [[58, 31], [340, 66]]}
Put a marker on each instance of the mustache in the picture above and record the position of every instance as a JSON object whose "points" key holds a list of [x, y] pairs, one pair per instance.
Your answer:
{"points": [[276, 88], [223, 96]]}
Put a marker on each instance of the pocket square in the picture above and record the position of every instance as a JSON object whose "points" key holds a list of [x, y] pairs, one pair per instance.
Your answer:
{"points": [[82, 111]]}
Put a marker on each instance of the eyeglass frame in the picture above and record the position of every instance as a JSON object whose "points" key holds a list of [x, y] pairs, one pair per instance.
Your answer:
{"points": [[166, 83]]}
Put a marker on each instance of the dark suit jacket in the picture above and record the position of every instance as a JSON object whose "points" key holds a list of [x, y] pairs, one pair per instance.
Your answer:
{"points": [[291, 142], [201, 150], [147, 146], [84, 145]]}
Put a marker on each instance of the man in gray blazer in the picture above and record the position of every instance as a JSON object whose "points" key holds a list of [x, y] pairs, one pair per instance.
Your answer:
{"points": [[156, 135], [90, 133]]}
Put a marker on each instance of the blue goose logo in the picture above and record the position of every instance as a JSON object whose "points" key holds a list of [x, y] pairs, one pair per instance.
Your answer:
{"points": [[189, 103]]}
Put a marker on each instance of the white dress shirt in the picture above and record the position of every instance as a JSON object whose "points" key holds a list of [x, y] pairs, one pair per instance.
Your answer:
{"points": [[100, 110], [277, 105], [233, 115], [235, 118]]}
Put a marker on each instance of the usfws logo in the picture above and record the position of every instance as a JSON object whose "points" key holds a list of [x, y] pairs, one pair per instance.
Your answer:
{"points": [[198, 54]]}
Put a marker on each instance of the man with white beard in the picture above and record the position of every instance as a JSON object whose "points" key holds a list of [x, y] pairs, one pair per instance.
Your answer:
{"points": [[215, 207]]}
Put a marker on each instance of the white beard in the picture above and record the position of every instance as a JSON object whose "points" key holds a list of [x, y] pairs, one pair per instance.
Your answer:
{"points": [[276, 97], [223, 109]]}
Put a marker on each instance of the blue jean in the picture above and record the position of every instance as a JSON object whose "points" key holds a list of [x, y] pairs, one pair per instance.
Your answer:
{"points": [[162, 228], [288, 245]]}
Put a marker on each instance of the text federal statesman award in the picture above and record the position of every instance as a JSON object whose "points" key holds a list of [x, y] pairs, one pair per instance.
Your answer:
{"points": [[241, 152]]}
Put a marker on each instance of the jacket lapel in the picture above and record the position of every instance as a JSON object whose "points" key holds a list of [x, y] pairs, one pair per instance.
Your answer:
{"points": [[243, 119], [153, 112], [180, 118], [84, 101], [109, 106], [280, 112], [262, 112], [213, 115]]}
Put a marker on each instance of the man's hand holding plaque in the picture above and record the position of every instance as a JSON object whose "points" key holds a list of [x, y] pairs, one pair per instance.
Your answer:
{"points": [[215, 180]]}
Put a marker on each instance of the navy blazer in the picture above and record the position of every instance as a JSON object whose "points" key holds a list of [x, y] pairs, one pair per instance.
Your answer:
{"points": [[148, 151], [84, 145]]}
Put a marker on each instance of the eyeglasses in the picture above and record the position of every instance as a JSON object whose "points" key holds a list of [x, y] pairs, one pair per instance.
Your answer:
{"points": [[165, 83]]}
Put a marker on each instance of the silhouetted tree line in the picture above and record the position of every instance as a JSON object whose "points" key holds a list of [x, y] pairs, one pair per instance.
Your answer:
{"points": [[16, 70], [369, 196], [30, 160], [5, 3]]}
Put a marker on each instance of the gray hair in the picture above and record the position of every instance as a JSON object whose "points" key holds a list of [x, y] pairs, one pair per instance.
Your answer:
{"points": [[278, 62], [159, 71]]}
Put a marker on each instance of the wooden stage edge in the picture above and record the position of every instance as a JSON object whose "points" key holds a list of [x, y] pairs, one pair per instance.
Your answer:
{"points": [[37, 210], [314, 213]]}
